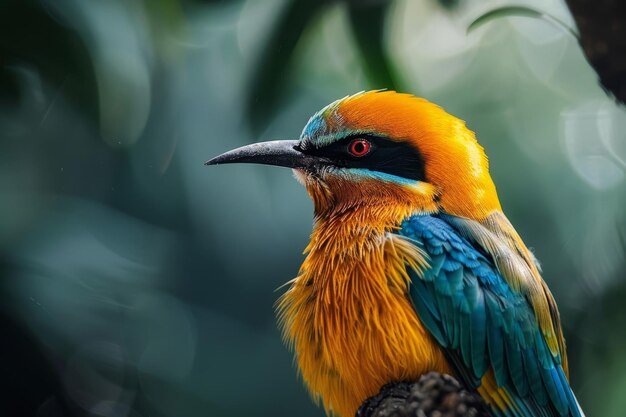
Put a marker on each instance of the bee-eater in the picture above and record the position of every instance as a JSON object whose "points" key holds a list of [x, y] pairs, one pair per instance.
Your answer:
{"points": [[412, 265]]}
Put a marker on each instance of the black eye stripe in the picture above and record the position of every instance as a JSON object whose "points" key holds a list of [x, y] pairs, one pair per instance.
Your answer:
{"points": [[385, 155]]}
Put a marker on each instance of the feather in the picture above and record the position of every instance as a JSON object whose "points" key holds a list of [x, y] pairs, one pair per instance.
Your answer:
{"points": [[485, 325]]}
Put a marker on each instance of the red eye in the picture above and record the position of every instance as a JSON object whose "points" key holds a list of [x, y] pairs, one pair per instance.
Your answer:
{"points": [[359, 147]]}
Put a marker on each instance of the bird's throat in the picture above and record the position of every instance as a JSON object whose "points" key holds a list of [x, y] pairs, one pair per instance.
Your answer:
{"points": [[337, 193]]}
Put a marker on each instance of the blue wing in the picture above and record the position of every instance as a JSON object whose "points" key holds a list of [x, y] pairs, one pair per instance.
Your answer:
{"points": [[486, 329]]}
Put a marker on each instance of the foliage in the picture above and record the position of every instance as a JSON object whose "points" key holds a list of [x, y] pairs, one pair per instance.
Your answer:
{"points": [[133, 281]]}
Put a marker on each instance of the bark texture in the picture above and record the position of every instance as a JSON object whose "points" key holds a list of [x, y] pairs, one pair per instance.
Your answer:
{"points": [[602, 26], [433, 395]]}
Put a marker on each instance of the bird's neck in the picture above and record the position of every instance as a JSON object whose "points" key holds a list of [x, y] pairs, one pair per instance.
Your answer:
{"points": [[351, 237], [354, 230], [352, 245]]}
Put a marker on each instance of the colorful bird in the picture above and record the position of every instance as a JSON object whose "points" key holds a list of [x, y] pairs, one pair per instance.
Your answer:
{"points": [[412, 265]]}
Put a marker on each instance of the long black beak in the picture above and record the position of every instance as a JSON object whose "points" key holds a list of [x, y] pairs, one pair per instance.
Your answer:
{"points": [[284, 153]]}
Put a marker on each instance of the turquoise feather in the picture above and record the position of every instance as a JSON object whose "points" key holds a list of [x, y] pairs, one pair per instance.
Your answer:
{"points": [[482, 322]]}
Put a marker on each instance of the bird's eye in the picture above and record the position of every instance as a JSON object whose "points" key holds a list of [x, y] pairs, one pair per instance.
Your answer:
{"points": [[359, 147]]}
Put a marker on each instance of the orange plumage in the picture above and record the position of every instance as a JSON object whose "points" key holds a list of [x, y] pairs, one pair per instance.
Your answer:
{"points": [[347, 314]]}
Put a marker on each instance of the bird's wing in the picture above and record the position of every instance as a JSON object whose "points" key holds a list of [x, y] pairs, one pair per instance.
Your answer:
{"points": [[519, 268], [488, 331]]}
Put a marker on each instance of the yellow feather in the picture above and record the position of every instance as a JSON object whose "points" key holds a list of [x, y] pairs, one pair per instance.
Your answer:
{"points": [[347, 314]]}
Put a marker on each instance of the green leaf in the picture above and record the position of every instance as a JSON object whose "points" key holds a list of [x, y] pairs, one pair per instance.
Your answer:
{"points": [[31, 38], [264, 89], [368, 25], [522, 11], [448, 4]]}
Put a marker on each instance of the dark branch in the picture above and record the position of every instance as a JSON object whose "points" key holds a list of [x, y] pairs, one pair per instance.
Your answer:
{"points": [[602, 26], [433, 395]]}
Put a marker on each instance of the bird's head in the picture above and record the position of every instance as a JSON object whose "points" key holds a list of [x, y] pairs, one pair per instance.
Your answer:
{"points": [[381, 149]]}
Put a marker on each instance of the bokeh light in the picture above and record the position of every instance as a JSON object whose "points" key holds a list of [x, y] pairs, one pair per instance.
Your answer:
{"points": [[138, 282]]}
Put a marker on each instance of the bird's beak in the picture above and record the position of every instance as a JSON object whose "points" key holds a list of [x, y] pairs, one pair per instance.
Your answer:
{"points": [[284, 153]]}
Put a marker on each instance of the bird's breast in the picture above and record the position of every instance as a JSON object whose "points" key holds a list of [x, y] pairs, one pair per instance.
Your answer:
{"points": [[352, 326]]}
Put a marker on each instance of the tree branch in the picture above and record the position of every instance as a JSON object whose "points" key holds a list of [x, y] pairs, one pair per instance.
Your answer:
{"points": [[602, 26], [433, 395]]}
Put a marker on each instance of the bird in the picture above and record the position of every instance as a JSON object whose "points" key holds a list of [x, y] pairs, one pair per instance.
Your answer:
{"points": [[412, 266]]}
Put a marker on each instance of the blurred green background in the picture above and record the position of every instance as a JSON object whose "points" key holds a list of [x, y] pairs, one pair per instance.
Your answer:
{"points": [[134, 281]]}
